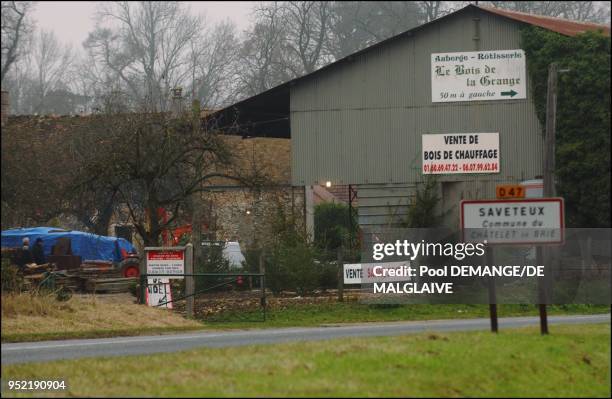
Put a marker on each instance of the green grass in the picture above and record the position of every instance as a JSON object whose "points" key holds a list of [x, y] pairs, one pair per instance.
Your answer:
{"points": [[27, 317], [124, 318], [109, 333], [574, 361], [354, 312]]}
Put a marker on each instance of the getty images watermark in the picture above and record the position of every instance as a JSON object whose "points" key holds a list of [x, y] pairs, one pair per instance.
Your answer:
{"points": [[438, 266]]}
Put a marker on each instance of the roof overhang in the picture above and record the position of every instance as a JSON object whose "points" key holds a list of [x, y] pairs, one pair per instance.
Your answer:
{"points": [[263, 115]]}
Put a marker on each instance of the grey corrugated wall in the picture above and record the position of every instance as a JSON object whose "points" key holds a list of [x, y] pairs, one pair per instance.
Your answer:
{"points": [[361, 122]]}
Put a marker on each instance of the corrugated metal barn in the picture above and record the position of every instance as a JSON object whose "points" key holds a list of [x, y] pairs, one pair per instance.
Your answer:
{"points": [[360, 120]]}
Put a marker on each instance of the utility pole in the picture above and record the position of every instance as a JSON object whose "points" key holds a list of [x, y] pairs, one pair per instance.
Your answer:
{"points": [[549, 186], [549, 139], [196, 208]]}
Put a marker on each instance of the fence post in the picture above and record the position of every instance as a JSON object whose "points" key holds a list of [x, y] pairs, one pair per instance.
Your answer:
{"points": [[262, 265], [340, 276], [189, 282], [143, 270], [262, 282]]}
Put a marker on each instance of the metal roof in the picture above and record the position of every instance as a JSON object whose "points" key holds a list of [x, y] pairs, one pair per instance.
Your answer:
{"points": [[267, 114], [563, 26]]}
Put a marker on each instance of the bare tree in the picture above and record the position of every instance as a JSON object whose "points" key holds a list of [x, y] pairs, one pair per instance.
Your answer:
{"points": [[430, 10], [17, 82], [50, 62], [358, 24], [306, 32], [260, 55], [288, 39], [146, 46], [16, 29], [212, 66], [155, 163]]}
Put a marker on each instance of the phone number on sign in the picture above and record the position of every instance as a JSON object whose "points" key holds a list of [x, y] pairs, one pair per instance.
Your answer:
{"points": [[468, 167]]}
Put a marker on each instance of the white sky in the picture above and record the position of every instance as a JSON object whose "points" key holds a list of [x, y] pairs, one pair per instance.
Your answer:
{"points": [[73, 20]]}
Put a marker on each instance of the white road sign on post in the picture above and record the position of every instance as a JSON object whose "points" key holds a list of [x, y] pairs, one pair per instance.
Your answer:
{"points": [[478, 76], [460, 153], [515, 221]]}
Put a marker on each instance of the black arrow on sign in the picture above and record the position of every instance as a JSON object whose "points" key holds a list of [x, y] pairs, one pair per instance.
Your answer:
{"points": [[510, 93]]}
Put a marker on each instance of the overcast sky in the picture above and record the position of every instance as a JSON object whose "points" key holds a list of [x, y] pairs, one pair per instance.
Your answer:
{"points": [[73, 20]]}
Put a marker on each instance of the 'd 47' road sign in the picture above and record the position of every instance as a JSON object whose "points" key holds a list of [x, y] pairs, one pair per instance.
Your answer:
{"points": [[510, 191]]}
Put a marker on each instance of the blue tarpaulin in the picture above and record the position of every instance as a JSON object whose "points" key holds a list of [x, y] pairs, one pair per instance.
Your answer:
{"points": [[86, 245]]}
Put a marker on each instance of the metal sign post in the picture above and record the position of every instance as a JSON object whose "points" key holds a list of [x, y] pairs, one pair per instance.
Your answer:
{"points": [[492, 293], [538, 221]]}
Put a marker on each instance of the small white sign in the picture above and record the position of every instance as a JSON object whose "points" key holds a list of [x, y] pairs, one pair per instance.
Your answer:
{"points": [[515, 221], [159, 293], [167, 261], [455, 153], [364, 273], [478, 76]]}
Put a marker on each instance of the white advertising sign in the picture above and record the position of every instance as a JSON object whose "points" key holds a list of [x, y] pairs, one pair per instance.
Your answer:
{"points": [[515, 221], [363, 273], [159, 292], [478, 76], [166, 261], [460, 153]]}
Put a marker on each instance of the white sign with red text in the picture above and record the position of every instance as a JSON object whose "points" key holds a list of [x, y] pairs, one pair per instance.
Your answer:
{"points": [[454, 153], [167, 261], [515, 221]]}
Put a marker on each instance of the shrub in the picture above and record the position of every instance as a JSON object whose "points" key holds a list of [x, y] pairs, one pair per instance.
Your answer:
{"points": [[211, 261], [422, 212], [333, 226], [289, 256], [12, 280], [328, 275], [292, 267], [251, 259]]}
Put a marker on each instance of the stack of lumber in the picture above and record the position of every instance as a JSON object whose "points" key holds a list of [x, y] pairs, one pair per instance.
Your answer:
{"points": [[93, 269], [72, 282]]}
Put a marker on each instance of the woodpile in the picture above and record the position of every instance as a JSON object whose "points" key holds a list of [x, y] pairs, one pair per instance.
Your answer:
{"points": [[91, 276], [69, 271], [110, 285], [72, 282]]}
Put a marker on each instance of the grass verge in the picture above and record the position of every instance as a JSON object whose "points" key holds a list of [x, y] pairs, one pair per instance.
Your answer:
{"points": [[354, 312], [572, 362], [27, 317]]}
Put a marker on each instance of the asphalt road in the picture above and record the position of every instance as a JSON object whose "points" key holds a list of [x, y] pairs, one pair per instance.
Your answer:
{"points": [[79, 348]]}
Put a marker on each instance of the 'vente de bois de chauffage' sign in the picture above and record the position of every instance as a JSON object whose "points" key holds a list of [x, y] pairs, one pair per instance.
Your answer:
{"points": [[460, 153]]}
